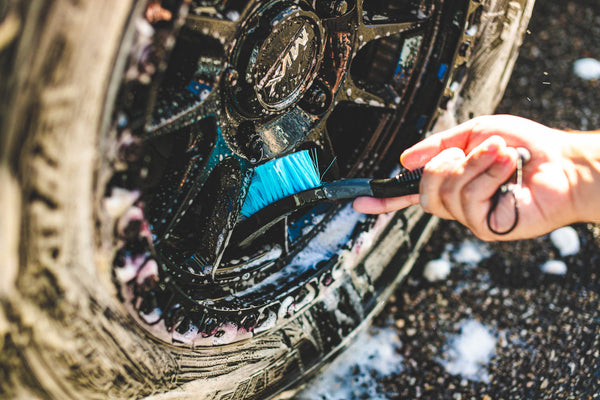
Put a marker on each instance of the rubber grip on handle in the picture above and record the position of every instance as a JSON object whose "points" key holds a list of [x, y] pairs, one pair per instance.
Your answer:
{"points": [[403, 184]]}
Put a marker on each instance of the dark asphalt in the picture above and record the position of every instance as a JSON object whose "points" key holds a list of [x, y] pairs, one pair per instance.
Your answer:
{"points": [[548, 326]]}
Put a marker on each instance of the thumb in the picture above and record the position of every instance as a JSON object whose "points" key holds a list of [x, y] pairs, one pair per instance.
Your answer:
{"points": [[458, 136], [418, 155]]}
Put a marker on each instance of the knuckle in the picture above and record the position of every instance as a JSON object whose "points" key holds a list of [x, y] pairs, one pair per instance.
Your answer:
{"points": [[480, 122], [468, 194], [446, 191], [425, 203]]}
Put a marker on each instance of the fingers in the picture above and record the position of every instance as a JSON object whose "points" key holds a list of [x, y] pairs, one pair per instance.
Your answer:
{"points": [[460, 188], [446, 166], [477, 193], [422, 152], [371, 205], [444, 178], [469, 135]]}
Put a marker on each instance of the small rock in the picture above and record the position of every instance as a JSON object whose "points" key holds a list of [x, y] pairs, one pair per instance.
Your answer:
{"points": [[566, 241], [554, 267], [587, 68]]}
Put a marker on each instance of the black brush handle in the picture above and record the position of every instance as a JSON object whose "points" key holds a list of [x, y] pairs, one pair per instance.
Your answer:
{"points": [[405, 183]]}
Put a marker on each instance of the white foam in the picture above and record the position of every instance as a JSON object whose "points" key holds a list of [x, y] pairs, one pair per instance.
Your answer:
{"points": [[437, 270], [353, 374], [470, 351], [152, 317], [119, 201], [270, 255], [554, 267], [327, 242], [587, 68], [471, 253], [322, 247], [566, 241]]}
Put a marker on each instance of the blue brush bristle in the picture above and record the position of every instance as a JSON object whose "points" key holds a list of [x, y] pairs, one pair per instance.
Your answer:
{"points": [[280, 178]]}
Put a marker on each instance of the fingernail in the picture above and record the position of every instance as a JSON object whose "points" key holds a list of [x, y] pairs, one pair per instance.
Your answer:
{"points": [[503, 158], [408, 158]]}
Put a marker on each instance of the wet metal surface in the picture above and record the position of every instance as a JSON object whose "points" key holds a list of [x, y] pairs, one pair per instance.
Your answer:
{"points": [[234, 91]]}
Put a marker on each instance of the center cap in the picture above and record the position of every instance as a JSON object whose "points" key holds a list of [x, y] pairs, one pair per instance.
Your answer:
{"points": [[278, 59], [287, 61]]}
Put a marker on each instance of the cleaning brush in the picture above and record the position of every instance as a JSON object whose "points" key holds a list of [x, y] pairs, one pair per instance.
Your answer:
{"points": [[279, 178], [297, 175], [281, 186]]}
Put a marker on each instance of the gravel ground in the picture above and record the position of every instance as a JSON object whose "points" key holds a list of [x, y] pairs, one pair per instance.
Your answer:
{"points": [[526, 333], [547, 326]]}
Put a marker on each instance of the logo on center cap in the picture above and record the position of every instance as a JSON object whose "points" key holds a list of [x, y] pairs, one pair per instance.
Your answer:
{"points": [[285, 61], [279, 62]]}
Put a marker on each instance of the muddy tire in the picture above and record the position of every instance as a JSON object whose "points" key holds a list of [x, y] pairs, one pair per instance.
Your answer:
{"points": [[93, 303]]}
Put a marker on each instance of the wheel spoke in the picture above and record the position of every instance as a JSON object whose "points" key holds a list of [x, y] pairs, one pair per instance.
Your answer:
{"points": [[180, 186], [368, 33], [184, 118], [376, 145], [196, 233], [191, 88], [221, 29], [386, 23], [388, 99]]}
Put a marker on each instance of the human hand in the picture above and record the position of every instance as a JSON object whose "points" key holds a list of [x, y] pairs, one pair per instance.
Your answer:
{"points": [[464, 166]]}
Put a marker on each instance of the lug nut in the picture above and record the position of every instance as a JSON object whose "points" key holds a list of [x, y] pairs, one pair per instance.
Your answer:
{"points": [[256, 152], [318, 98], [339, 7], [231, 75]]}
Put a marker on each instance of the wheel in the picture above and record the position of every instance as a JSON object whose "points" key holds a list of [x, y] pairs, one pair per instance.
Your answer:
{"points": [[131, 131]]}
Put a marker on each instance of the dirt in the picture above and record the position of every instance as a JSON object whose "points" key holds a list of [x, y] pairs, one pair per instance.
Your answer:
{"points": [[547, 326]]}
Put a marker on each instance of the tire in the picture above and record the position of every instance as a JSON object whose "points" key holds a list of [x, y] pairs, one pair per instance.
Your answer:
{"points": [[97, 298]]}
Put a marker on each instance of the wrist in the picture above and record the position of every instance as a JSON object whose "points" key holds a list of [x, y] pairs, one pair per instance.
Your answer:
{"points": [[583, 153]]}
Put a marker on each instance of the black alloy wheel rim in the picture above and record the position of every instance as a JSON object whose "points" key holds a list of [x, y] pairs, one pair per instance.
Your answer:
{"points": [[356, 81]]}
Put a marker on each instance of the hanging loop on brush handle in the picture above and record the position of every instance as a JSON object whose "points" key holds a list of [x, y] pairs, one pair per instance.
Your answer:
{"points": [[512, 189]]}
